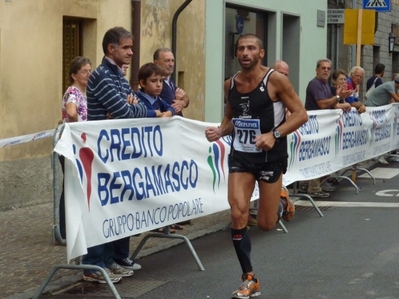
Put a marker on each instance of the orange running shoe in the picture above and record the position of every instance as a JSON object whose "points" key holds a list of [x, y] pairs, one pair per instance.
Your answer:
{"points": [[289, 210], [249, 288]]}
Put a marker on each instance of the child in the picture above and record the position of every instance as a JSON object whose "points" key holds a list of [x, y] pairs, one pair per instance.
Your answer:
{"points": [[151, 80]]}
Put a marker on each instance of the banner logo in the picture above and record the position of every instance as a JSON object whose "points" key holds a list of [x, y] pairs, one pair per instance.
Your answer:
{"points": [[338, 136], [294, 147], [216, 158], [85, 165]]}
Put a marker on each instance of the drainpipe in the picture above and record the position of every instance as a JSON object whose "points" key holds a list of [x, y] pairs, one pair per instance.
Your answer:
{"points": [[174, 31], [136, 28]]}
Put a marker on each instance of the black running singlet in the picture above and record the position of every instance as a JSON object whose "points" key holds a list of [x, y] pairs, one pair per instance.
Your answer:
{"points": [[254, 113]]}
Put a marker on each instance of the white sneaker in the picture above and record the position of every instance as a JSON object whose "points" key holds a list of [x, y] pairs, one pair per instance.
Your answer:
{"points": [[382, 160], [97, 276], [118, 270]]}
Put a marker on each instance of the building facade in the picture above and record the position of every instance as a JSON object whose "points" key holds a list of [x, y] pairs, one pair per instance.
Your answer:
{"points": [[38, 38], [344, 56]]}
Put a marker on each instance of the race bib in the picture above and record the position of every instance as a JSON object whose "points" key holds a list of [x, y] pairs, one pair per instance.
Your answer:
{"points": [[245, 132]]}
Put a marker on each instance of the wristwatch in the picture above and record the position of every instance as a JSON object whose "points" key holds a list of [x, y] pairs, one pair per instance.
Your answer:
{"points": [[338, 97], [276, 134]]}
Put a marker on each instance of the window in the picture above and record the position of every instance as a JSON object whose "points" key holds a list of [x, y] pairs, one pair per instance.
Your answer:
{"points": [[71, 46]]}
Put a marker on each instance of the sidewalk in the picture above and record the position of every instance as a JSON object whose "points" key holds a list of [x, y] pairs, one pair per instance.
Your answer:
{"points": [[28, 253]]}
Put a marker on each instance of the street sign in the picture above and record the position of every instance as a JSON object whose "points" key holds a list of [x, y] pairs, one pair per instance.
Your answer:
{"points": [[239, 24], [353, 27], [335, 16], [377, 5]]}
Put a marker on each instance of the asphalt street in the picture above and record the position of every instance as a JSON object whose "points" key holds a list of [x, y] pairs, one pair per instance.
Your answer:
{"points": [[351, 252]]}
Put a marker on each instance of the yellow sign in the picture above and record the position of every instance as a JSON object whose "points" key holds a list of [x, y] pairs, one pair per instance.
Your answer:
{"points": [[352, 26]]}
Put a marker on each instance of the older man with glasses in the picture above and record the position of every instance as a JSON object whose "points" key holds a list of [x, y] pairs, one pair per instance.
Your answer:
{"points": [[356, 76], [319, 96]]}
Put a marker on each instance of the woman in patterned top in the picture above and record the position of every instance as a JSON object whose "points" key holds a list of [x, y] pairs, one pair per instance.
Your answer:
{"points": [[74, 101], [74, 108]]}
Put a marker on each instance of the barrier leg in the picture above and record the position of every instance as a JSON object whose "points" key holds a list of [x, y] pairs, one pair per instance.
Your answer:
{"points": [[355, 168], [283, 226], [313, 203], [76, 267], [368, 172], [296, 193], [168, 236]]}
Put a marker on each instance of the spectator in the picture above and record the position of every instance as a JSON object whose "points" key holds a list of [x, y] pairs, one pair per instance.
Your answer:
{"points": [[262, 158], [339, 79], [74, 108], [319, 96], [394, 75], [172, 94], [151, 81], [376, 79], [281, 67], [383, 95], [109, 93], [356, 76]]}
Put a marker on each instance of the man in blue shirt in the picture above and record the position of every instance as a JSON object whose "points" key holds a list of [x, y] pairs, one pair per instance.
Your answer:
{"points": [[109, 95]]}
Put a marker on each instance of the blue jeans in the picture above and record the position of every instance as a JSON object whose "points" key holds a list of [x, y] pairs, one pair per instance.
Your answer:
{"points": [[103, 255], [121, 248], [99, 255]]}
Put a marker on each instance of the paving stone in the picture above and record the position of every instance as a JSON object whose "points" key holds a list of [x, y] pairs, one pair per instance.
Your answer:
{"points": [[28, 253]]}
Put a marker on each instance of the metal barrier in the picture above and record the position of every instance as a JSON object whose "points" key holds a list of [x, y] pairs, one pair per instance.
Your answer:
{"points": [[354, 168], [297, 194], [168, 236], [76, 267], [59, 239]]}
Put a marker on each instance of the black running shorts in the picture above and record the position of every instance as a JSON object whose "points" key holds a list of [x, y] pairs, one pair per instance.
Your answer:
{"points": [[268, 172]]}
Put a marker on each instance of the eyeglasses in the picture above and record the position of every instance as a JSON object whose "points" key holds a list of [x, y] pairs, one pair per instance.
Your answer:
{"points": [[358, 76], [85, 72], [325, 68]]}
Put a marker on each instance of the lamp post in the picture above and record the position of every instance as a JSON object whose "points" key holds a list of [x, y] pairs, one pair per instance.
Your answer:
{"points": [[391, 44]]}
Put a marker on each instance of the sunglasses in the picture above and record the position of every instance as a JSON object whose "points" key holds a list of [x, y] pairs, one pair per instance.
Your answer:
{"points": [[325, 68]]}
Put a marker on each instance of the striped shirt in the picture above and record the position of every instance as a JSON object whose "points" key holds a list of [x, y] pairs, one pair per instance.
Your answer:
{"points": [[107, 92]]}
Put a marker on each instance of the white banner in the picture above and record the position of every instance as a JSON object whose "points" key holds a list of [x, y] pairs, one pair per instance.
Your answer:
{"points": [[125, 177]]}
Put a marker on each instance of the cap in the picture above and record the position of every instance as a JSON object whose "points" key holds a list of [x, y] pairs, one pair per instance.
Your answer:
{"points": [[397, 79]]}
